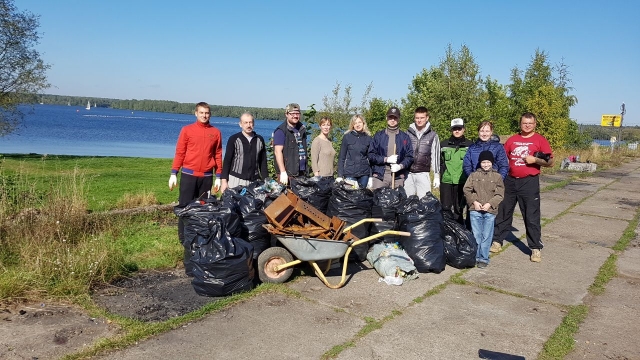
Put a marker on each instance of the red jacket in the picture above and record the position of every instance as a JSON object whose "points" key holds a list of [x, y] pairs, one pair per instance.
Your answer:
{"points": [[198, 151]]}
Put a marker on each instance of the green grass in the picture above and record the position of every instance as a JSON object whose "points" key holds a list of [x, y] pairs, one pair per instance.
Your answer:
{"points": [[561, 341], [629, 234], [107, 179], [607, 272]]}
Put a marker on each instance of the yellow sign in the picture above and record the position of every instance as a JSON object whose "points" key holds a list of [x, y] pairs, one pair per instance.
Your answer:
{"points": [[611, 120]]}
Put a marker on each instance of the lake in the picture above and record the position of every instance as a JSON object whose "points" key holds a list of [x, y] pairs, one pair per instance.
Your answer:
{"points": [[73, 130]]}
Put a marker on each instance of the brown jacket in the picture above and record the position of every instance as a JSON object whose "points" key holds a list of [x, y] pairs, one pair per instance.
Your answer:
{"points": [[484, 187]]}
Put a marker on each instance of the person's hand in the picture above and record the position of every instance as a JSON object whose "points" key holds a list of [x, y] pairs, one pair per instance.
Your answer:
{"points": [[370, 183], [173, 181], [284, 178], [477, 206], [339, 179], [529, 159], [436, 181], [396, 167], [486, 207], [216, 185], [393, 159]]}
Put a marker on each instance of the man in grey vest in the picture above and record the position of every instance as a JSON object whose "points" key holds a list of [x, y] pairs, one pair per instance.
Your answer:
{"points": [[426, 155], [290, 145]]}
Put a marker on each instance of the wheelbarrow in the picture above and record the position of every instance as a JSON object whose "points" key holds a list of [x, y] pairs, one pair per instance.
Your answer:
{"points": [[275, 264]]}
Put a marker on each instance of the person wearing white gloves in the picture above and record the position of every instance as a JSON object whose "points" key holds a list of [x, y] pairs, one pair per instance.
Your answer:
{"points": [[290, 146], [198, 157], [426, 155], [390, 153], [353, 160]]}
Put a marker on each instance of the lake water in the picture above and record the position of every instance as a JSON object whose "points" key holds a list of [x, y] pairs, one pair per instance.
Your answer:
{"points": [[73, 130]]}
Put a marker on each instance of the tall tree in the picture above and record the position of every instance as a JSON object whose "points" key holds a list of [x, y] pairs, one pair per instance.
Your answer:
{"points": [[22, 72], [539, 92], [452, 89], [340, 107]]}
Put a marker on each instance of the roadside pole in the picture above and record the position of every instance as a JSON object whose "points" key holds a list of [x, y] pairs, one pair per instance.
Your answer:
{"points": [[623, 110]]}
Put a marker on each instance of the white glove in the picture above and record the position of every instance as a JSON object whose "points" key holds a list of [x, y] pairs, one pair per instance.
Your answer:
{"points": [[436, 181], [395, 168], [339, 179], [173, 181], [284, 178], [393, 159], [370, 183], [216, 185]]}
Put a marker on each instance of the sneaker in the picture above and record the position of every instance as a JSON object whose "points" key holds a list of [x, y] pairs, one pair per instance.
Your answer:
{"points": [[535, 255], [481, 265], [495, 247]]}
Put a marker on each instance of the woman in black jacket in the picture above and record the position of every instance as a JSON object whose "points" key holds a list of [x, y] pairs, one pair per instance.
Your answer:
{"points": [[353, 163]]}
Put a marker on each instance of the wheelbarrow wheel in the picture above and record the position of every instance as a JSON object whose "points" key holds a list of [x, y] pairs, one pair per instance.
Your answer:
{"points": [[269, 259]]}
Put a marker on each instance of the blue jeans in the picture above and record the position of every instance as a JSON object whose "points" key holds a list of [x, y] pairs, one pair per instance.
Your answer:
{"points": [[482, 226], [362, 181]]}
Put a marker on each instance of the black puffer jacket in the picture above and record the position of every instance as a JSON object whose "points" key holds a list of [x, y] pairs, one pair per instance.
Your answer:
{"points": [[353, 160]]}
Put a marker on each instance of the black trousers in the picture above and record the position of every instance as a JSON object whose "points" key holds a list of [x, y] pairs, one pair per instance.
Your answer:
{"points": [[191, 188], [452, 199], [526, 192]]}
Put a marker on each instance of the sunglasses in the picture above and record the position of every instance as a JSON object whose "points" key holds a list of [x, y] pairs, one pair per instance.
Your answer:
{"points": [[457, 128]]}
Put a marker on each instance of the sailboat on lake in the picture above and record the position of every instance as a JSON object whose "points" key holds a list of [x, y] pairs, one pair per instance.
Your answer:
{"points": [[88, 105]]}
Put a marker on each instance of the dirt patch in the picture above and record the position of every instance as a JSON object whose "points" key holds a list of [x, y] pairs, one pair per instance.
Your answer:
{"points": [[151, 296], [47, 331]]}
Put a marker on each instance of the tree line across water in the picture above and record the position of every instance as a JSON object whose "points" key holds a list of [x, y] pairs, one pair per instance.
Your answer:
{"points": [[160, 106]]}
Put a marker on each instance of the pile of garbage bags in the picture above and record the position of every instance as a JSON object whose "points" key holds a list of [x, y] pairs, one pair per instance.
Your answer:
{"points": [[223, 238]]}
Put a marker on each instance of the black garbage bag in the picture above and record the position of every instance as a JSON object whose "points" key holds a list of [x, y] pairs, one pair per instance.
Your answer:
{"points": [[423, 219], [460, 247], [222, 265], [252, 217], [315, 190], [352, 205], [197, 215], [386, 202], [385, 207]]}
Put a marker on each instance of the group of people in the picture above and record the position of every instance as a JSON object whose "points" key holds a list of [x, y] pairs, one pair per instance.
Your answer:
{"points": [[485, 177]]}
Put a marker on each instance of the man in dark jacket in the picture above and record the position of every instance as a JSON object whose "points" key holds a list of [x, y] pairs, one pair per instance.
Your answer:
{"points": [[426, 155], [245, 159], [452, 152], [390, 153], [290, 145]]}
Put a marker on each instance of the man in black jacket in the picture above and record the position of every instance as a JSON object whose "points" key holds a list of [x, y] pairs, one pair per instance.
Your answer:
{"points": [[290, 145], [245, 159]]}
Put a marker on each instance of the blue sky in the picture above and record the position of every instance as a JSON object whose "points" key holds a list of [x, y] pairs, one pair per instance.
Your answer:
{"points": [[270, 53]]}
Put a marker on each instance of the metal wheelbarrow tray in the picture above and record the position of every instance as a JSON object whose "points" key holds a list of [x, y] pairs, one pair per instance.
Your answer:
{"points": [[275, 264]]}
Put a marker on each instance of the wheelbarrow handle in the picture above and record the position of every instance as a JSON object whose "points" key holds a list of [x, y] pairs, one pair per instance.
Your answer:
{"points": [[378, 235], [360, 223]]}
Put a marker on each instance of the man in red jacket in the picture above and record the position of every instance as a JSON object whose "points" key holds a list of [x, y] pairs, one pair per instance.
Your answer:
{"points": [[199, 155]]}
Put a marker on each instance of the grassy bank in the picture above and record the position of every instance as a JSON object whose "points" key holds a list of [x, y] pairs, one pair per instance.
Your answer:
{"points": [[57, 238]]}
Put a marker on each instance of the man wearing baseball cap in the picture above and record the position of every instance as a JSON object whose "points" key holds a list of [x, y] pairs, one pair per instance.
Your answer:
{"points": [[390, 153], [453, 178], [290, 145], [426, 155]]}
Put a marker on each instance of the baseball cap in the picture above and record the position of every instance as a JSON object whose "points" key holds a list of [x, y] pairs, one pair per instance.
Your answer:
{"points": [[394, 111], [457, 122], [292, 106]]}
